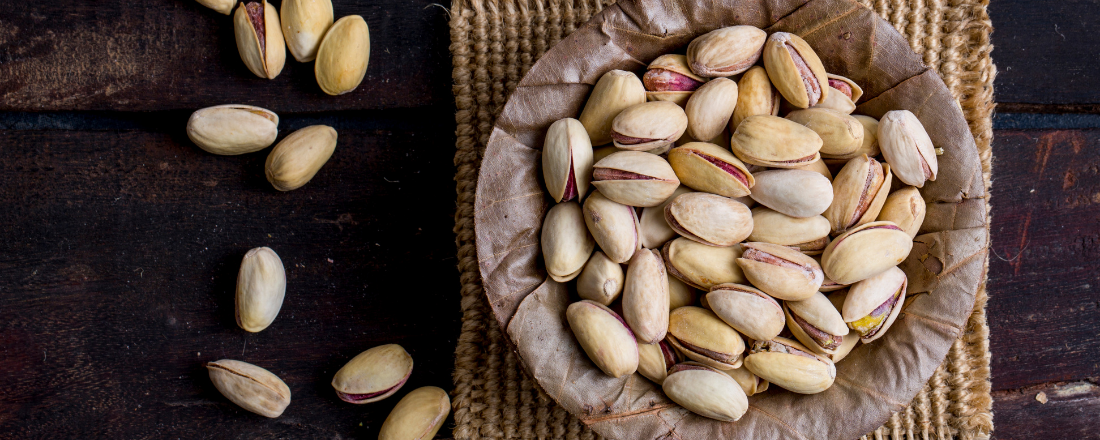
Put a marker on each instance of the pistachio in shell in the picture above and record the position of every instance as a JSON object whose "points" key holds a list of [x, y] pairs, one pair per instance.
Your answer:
{"points": [[343, 55], [816, 323], [707, 167], [726, 51], [613, 225], [601, 280], [703, 337], [771, 141], [842, 96], [865, 251], [780, 271], [233, 129], [649, 125], [373, 375], [305, 23], [749, 382], [828, 285], [417, 416], [873, 304], [791, 365], [679, 294], [797, 193], [755, 96], [706, 391], [709, 109], [566, 242], [870, 142], [670, 73], [840, 133], [250, 387], [298, 157], [261, 287], [907, 148], [747, 309], [224, 7], [678, 98], [614, 92], [567, 160], [809, 235], [604, 336], [852, 339], [654, 360], [795, 70], [652, 227], [702, 266], [645, 296], [709, 219], [905, 208], [859, 191], [635, 178], [819, 167], [259, 38]]}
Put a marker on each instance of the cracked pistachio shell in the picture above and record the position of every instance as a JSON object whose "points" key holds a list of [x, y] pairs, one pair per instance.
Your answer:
{"points": [[343, 55], [771, 141], [298, 157], [653, 228], [750, 383], [795, 70], [259, 38], [746, 309], [679, 294], [417, 416], [905, 208], [726, 51], [635, 178], [645, 296], [654, 360], [702, 266], [261, 286], [706, 391], [809, 234], [601, 280], [671, 74], [907, 148], [614, 92], [373, 375], [648, 126], [873, 304], [816, 324], [709, 109], [859, 191], [604, 336], [840, 133], [791, 365], [703, 337], [233, 129], [707, 167], [843, 95], [250, 387], [780, 271], [613, 225], [304, 25], [709, 219], [865, 251], [567, 160], [797, 193], [755, 96], [851, 340], [223, 7], [566, 242]]}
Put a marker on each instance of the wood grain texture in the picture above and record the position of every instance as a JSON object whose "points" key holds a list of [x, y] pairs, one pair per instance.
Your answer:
{"points": [[1070, 411], [173, 54]]}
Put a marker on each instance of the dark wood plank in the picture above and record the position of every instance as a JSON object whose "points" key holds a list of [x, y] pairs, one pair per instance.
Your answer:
{"points": [[120, 257], [118, 55], [1046, 55], [1070, 411]]}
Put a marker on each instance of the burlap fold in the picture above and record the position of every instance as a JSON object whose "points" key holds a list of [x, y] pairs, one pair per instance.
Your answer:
{"points": [[493, 43]]}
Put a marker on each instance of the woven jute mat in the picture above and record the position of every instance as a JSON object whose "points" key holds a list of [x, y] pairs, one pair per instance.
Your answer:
{"points": [[494, 43]]}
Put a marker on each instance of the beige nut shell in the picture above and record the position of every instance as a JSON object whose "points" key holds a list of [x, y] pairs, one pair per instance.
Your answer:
{"points": [[250, 387], [233, 129], [298, 157], [417, 416], [264, 61], [343, 56], [373, 375], [261, 287], [305, 23]]}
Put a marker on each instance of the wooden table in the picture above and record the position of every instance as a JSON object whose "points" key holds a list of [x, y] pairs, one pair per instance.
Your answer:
{"points": [[121, 240]]}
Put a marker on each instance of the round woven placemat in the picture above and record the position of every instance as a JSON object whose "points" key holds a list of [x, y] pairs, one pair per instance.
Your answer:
{"points": [[494, 43]]}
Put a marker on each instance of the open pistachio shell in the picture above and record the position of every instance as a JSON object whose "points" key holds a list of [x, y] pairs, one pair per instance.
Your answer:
{"points": [[418, 416], [873, 304], [653, 228], [755, 96], [305, 23], [706, 391], [840, 133], [702, 266], [795, 70], [654, 360], [707, 167], [780, 271], [613, 225], [907, 148], [797, 193], [709, 219], [747, 310], [905, 208], [567, 160], [343, 55], [809, 234], [865, 251], [233, 129], [670, 73], [816, 323], [635, 178], [601, 280], [709, 109], [726, 51], [259, 38], [645, 296], [250, 387], [604, 336], [749, 382], [373, 375], [614, 92], [791, 366], [850, 340], [771, 141], [649, 125], [703, 337], [859, 191], [843, 95], [566, 243]]}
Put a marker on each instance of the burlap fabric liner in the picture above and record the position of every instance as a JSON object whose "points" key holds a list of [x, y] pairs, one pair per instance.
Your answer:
{"points": [[495, 43]]}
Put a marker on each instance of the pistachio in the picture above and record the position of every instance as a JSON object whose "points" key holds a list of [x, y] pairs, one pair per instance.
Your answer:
{"points": [[816, 323], [750, 383], [567, 160], [604, 336], [614, 92], [250, 387], [747, 309], [797, 193], [223, 7], [870, 142], [417, 416], [772, 141], [566, 243], [842, 96], [710, 168], [679, 294], [654, 360], [706, 391], [709, 108], [343, 55], [701, 336], [905, 208], [373, 375], [601, 280], [635, 178], [851, 340], [780, 271], [678, 98], [652, 227], [709, 219], [298, 157], [261, 286], [259, 38], [613, 225], [840, 133], [755, 96], [907, 147], [859, 190], [670, 73], [305, 23], [795, 70], [865, 251], [819, 167], [645, 296], [790, 365], [649, 125], [233, 129], [829, 285], [874, 303], [726, 51], [809, 234], [702, 266]]}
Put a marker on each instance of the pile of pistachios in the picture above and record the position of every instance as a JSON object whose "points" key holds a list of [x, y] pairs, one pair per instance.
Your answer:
{"points": [[697, 141]]}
